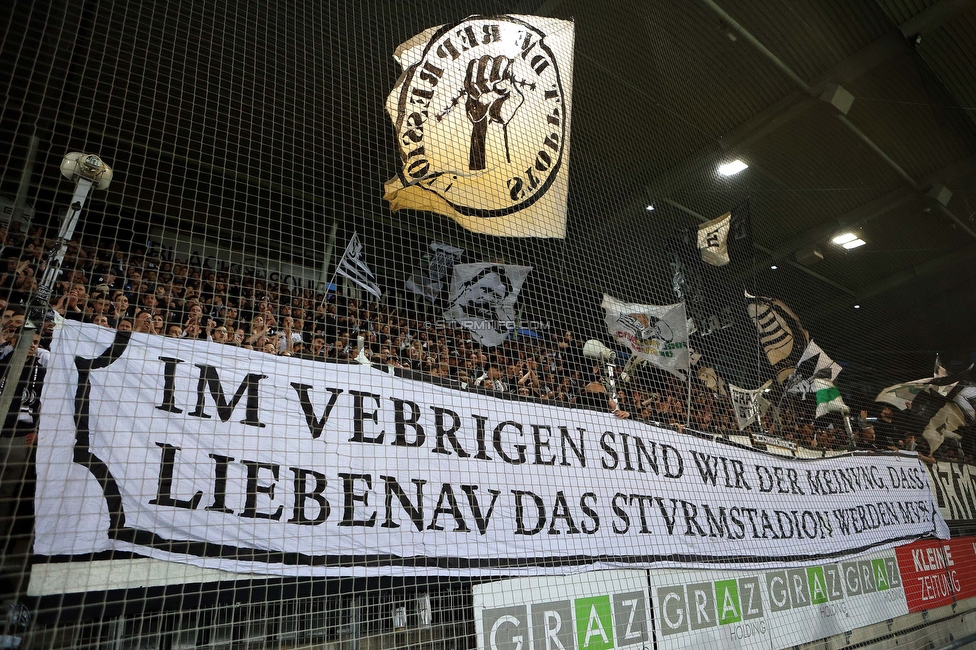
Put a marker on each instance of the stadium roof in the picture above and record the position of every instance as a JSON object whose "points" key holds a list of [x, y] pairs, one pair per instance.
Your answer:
{"points": [[852, 116]]}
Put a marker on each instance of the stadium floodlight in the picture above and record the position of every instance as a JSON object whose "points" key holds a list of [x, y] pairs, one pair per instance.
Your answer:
{"points": [[732, 168], [87, 171], [77, 166]]}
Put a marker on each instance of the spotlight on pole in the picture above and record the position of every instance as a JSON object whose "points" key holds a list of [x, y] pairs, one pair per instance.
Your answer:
{"points": [[87, 170], [361, 357], [597, 351], [77, 165]]}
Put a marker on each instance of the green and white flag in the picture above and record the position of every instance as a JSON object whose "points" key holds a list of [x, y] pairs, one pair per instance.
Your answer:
{"points": [[657, 334], [828, 398]]}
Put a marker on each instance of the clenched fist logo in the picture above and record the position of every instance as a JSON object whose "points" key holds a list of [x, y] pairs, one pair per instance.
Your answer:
{"points": [[493, 97], [482, 122]]}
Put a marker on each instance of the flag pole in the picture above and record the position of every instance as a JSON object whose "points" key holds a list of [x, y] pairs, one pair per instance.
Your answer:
{"points": [[327, 258], [335, 274], [684, 315]]}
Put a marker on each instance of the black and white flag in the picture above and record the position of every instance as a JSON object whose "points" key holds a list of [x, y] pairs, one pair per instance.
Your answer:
{"points": [[482, 116], [713, 239], [135, 469], [781, 335], [965, 396], [352, 266], [814, 364], [483, 300], [749, 405], [707, 264], [962, 392], [942, 420], [428, 281]]}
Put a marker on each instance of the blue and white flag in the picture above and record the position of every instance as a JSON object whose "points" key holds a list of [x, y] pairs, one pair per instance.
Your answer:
{"points": [[352, 266]]}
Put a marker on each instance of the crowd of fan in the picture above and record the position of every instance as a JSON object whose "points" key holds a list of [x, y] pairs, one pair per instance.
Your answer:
{"points": [[136, 289]]}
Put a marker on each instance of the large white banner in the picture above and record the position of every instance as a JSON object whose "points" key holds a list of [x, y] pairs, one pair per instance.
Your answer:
{"points": [[226, 458]]}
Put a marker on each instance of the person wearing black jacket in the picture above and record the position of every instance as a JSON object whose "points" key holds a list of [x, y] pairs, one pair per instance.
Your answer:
{"points": [[888, 429]]}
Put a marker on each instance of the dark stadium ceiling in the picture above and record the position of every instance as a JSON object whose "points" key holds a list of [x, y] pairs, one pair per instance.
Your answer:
{"points": [[853, 114], [679, 86]]}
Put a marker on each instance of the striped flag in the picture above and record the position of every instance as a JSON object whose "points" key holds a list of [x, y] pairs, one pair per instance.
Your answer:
{"points": [[781, 335], [352, 266]]}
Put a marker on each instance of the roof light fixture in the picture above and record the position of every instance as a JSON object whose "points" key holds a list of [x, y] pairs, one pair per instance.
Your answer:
{"points": [[649, 208], [842, 239], [773, 267], [732, 168], [854, 244]]}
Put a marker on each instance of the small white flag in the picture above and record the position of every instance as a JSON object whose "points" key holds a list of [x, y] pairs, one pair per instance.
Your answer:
{"points": [[713, 239], [747, 404], [352, 266], [437, 266]]}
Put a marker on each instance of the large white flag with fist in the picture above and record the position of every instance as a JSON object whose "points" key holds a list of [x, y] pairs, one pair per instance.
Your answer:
{"points": [[482, 114]]}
